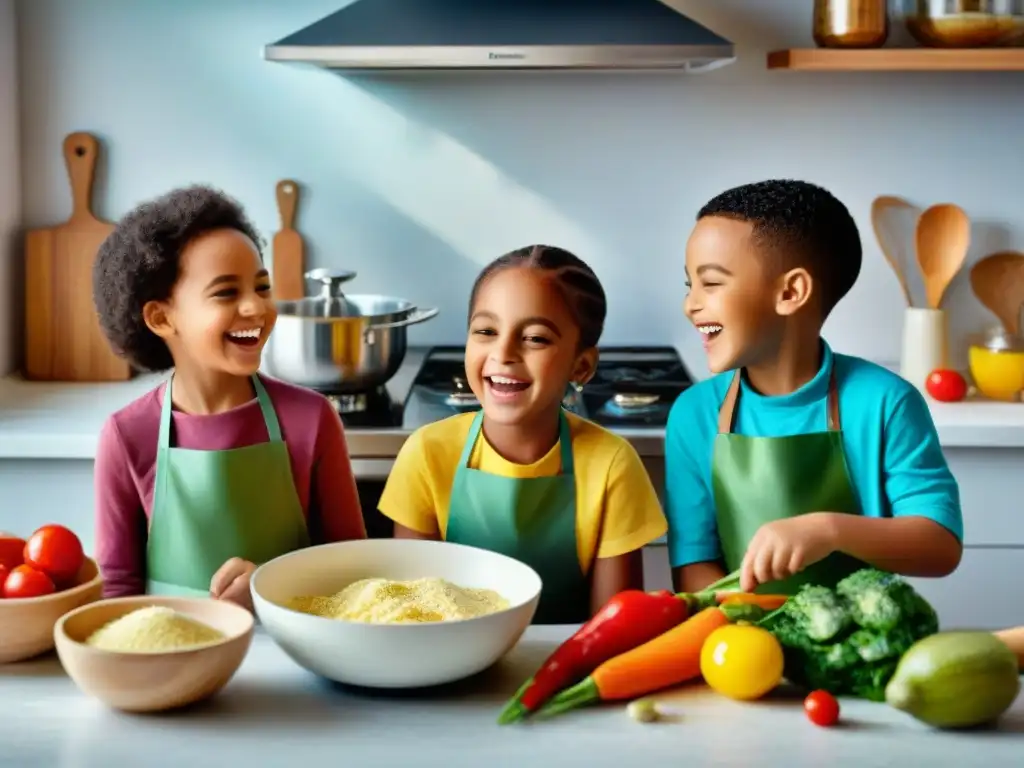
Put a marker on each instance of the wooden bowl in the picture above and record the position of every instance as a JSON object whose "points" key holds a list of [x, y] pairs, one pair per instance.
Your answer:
{"points": [[26, 624], [152, 682]]}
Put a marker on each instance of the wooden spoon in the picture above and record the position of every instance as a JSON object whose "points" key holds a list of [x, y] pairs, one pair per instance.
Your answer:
{"points": [[886, 211], [943, 237], [998, 282]]}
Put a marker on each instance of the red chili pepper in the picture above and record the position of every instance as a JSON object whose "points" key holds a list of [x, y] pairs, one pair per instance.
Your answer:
{"points": [[629, 619]]}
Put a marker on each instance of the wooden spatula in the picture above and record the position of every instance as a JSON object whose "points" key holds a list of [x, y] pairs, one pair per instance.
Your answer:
{"points": [[886, 213], [63, 340], [998, 282], [288, 258], [943, 237]]}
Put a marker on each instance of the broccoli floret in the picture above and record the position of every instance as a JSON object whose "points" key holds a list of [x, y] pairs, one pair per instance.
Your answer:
{"points": [[878, 600], [781, 624], [822, 614], [849, 641], [840, 655], [870, 645]]}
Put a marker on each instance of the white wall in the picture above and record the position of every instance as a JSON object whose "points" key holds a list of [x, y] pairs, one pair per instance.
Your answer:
{"points": [[10, 191], [417, 181]]}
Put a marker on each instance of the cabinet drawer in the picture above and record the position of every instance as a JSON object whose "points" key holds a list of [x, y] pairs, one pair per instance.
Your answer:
{"points": [[991, 484]]}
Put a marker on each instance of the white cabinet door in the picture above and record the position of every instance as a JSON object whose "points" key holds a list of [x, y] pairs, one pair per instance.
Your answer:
{"points": [[983, 593]]}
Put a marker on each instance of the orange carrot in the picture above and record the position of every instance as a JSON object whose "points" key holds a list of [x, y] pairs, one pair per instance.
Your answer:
{"points": [[767, 602], [669, 659]]}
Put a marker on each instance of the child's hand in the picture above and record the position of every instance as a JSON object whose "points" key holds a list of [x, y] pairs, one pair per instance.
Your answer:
{"points": [[231, 582], [784, 547]]}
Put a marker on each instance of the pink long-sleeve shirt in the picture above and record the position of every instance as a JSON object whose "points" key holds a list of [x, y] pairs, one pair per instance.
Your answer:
{"points": [[126, 470]]}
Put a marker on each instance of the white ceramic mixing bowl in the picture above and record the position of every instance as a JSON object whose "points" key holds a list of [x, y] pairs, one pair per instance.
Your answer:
{"points": [[393, 655]]}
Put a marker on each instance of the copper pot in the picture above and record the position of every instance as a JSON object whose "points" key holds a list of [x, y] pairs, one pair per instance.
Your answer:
{"points": [[965, 23], [851, 23]]}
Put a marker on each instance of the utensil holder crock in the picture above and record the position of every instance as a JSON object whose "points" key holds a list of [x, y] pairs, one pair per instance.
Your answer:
{"points": [[924, 344]]}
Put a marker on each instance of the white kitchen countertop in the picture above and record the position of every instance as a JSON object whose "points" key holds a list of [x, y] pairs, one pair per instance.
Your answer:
{"points": [[42, 420], [274, 713]]}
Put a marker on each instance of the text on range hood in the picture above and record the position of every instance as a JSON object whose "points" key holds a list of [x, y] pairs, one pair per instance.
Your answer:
{"points": [[505, 35]]}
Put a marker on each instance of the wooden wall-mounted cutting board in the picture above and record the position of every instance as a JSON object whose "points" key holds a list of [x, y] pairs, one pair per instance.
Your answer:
{"points": [[63, 340], [288, 270]]}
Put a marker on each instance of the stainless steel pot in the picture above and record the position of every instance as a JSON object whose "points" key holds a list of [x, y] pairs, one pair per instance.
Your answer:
{"points": [[340, 343]]}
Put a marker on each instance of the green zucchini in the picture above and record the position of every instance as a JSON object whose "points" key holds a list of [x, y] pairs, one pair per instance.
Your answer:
{"points": [[955, 680]]}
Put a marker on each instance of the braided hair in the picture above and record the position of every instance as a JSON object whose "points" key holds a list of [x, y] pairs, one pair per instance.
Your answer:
{"points": [[576, 281]]}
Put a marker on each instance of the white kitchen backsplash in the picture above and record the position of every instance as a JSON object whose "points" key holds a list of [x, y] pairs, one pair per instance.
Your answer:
{"points": [[417, 181]]}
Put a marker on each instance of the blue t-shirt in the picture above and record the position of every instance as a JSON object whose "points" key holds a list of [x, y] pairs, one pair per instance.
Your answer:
{"points": [[892, 450]]}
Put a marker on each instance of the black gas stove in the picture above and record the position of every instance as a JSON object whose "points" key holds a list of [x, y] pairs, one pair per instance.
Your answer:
{"points": [[366, 410], [633, 387]]}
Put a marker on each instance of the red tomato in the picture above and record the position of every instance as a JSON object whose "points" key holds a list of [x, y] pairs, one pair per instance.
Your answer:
{"points": [[12, 550], [25, 581], [3, 577], [946, 386], [821, 708], [56, 551]]}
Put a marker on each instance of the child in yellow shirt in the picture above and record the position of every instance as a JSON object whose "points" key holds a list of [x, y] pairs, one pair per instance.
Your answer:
{"points": [[522, 476]]}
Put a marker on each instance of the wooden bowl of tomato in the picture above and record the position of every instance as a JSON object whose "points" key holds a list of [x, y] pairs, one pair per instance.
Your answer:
{"points": [[41, 578]]}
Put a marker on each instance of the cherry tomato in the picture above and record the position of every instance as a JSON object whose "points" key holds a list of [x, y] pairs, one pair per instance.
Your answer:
{"points": [[12, 550], [821, 708], [56, 551], [3, 577], [26, 581], [946, 386]]}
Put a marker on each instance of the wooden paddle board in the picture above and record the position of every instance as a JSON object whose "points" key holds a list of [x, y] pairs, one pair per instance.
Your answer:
{"points": [[287, 268], [63, 340]]}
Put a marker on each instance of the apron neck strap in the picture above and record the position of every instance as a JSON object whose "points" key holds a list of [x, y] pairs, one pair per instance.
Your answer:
{"points": [[564, 441], [164, 438], [266, 407], [727, 413]]}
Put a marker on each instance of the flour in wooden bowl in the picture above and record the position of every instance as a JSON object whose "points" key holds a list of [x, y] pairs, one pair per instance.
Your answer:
{"points": [[153, 629], [383, 601]]}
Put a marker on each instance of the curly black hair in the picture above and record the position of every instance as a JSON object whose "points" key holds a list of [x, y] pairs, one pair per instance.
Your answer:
{"points": [[577, 282], [798, 224], [138, 263]]}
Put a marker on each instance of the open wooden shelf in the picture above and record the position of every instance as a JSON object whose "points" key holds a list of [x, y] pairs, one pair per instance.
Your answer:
{"points": [[899, 60]]}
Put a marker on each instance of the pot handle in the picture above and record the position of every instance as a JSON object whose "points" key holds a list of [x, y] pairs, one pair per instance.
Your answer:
{"points": [[418, 315]]}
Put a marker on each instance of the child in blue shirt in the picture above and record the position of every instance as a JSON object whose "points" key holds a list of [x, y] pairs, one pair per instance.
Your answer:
{"points": [[795, 464]]}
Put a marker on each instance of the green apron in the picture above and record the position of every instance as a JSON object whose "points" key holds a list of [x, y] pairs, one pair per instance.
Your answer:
{"points": [[530, 519], [210, 506], [758, 480]]}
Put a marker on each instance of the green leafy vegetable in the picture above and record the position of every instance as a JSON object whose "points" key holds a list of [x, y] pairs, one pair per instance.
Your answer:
{"points": [[848, 641], [821, 613]]}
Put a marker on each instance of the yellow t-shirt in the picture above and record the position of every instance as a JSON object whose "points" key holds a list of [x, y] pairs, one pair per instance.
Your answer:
{"points": [[617, 509]]}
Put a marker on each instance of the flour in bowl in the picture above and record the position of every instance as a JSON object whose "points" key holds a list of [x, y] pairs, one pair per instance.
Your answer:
{"points": [[383, 601], [153, 629]]}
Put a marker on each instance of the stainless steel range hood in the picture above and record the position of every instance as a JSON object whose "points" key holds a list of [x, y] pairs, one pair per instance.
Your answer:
{"points": [[603, 35]]}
